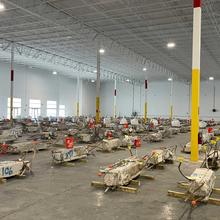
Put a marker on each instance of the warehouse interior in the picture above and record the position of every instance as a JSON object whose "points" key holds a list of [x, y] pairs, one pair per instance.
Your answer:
{"points": [[109, 109]]}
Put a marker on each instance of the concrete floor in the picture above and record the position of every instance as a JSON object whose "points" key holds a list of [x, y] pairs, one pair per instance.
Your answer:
{"points": [[56, 193]]}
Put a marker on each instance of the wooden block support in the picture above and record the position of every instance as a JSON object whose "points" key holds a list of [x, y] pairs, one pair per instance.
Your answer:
{"points": [[127, 189], [182, 195], [135, 183], [3, 181], [98, 184], [68, 164], [214, 201], [216, 190], [147, 177], [120, 188], [185, 185], [177, 194]]}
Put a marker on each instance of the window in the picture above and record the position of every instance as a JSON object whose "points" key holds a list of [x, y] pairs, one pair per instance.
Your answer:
{"points": [[51, 108], [16, 107], [62, 111], [34, 108]]}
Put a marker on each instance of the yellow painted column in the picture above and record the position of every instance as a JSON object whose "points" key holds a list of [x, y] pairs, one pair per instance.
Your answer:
{"points": [[196, 53], [171, 112], [195, 114], [97, 110], [77, 109], [145, 112]]}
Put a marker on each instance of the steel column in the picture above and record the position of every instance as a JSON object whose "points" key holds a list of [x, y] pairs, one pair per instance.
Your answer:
{"points": [[189, 105], [98, 87], [196, 79], [12, 83], [115, 99], [133, 99], [171, 100], [58, 95], [77, 92], [214, 92]]}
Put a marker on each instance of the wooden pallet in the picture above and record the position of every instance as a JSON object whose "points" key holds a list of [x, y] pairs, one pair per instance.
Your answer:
{"points": [[2, 180], [132, 187], [185, 185], [184, 195]]}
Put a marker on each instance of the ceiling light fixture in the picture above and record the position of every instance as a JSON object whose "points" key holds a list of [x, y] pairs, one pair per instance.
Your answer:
{"points": [[127, 80], [211, 78], [54, 73], [94, 71], [2, 6], [92, 80], [171, 45], [170, 79], [144, 69], [101, 51]]}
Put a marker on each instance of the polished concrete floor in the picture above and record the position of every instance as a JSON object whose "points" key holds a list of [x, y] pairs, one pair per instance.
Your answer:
{"points": [[58, 192]]}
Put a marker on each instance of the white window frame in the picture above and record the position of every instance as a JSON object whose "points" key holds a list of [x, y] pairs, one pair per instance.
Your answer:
{"points": [[51, 108], [34, 108]]}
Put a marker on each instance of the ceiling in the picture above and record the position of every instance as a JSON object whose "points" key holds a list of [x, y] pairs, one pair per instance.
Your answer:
{"points": [[134, 34]]}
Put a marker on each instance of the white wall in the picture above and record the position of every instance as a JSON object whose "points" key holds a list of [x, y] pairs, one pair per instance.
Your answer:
{"points": [[206, 101], [124, 99], [39, 84], [107, 98], [88, 98], [159, 99]]}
